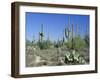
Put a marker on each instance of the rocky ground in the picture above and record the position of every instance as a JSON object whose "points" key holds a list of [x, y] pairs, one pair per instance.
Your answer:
{"points": [[55, 57]]}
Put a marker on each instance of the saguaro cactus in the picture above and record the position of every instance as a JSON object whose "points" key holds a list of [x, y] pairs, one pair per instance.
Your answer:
{"points": [[67, 30], [67, 33], [72, 36], [76, 29], [41, 34], [33, 41], [87, 29], [87, 35]]}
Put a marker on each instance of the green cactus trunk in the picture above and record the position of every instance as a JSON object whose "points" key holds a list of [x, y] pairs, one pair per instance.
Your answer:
{"points": [[41, 34], [72, 37]]}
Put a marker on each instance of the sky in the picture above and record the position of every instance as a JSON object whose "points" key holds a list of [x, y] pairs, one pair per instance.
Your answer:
{"points": [[54, 24]]}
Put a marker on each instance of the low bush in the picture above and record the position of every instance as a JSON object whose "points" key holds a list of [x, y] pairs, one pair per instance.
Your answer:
{"points": [[44, 44], [78, 43]]}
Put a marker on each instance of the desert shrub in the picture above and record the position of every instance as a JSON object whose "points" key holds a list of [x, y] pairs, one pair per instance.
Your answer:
{"points": [[77, 44], [58, 44], [44, 44], [28, 43], [68, 44]]}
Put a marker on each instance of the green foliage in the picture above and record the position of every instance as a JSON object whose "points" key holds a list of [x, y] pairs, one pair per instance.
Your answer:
{"points": [[87, 40], [74, 58], [44, 44], [58, 44], [77, 44], [68, 44], [28, 43]]}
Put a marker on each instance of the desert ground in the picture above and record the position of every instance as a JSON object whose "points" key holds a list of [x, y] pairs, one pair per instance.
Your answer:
{"points": [[55, 57]]}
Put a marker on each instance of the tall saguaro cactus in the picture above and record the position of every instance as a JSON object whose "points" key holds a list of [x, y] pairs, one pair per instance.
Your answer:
{"points": [[87, 28], [63, 38], [76, 29], [87, 35], [33, 41], [72, 36], [67, 30], [69, 33], [41, 34]]}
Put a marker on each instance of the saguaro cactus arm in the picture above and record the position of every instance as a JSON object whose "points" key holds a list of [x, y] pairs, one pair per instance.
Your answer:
{"points": [[67, 33]]}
